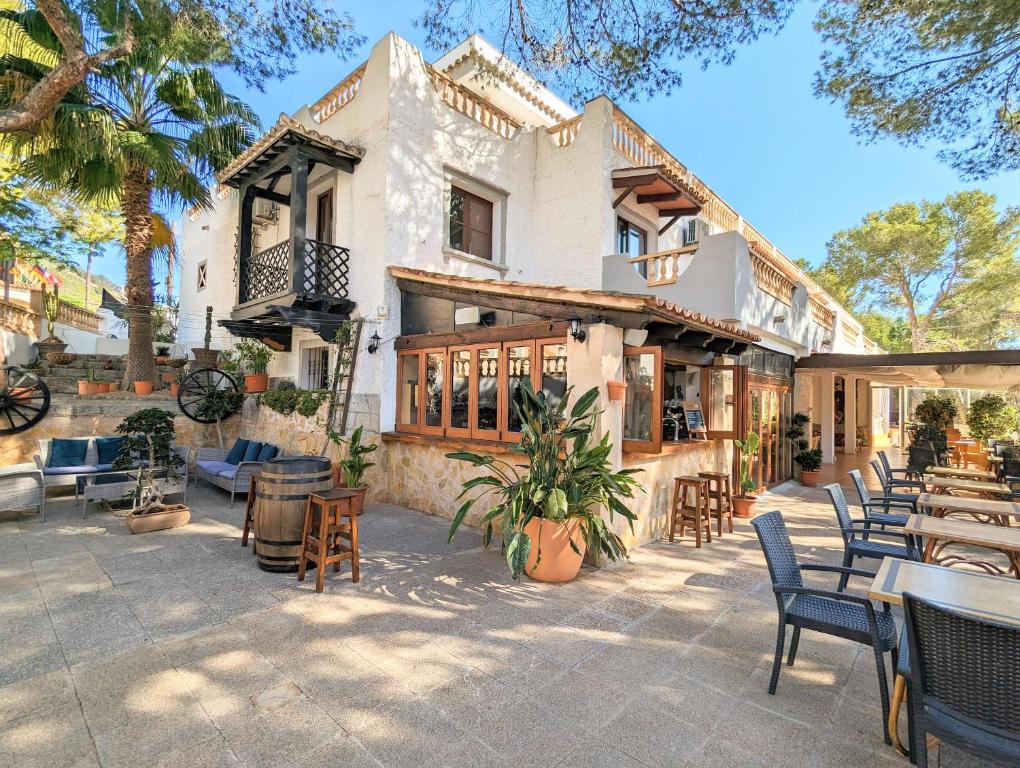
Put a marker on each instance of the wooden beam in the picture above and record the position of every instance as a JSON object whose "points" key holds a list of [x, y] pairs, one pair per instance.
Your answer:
{"points": [[691, 210], [484, 335], [266, 194], [636, 181], [623, 196], [661, 197], [665, 228], [298, 208], [329, 158]]}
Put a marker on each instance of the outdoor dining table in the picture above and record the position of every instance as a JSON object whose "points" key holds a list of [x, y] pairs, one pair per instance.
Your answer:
{"points": [[982, 510], [984, 487], [985, 597], [960, 472], [941, 532]]}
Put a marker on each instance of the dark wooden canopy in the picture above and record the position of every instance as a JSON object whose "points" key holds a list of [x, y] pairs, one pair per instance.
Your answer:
{"points": [[655, 185]]}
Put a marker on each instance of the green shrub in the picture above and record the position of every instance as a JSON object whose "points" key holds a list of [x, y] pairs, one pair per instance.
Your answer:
{"points": [[940, 410], [991, 417], [809, 460], [306, 402]]}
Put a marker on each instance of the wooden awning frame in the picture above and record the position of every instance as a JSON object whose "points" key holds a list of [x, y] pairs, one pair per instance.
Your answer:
{"points": [[675, 202]]}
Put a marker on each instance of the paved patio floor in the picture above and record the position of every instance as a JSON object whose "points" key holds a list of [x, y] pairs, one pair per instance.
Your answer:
{"points": [[173, 649]]}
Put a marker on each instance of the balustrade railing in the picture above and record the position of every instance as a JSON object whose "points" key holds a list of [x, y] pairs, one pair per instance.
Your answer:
{"points": [[473, 106], [19, 319], [662, 268], [563, 134], [822, 315], [340, 96], [265, 273], [77, 317], [323, 270]]}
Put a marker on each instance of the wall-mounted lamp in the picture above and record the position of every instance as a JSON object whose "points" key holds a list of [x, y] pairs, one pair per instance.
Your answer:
{"points": [[577, 333], [779, 319], [373, 343], [826, 342]]}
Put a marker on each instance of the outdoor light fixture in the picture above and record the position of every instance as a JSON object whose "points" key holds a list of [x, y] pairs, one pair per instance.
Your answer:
{"points": [[373, 343], [826, 342], [779, 319], [577, 333]]}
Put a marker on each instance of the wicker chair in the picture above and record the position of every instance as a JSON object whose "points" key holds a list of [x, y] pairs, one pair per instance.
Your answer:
{"points": [[857, 536], [964, 678], [211, 466], [832, 613], [890, 471], [900, 501], [23, 486], [888, 483]]}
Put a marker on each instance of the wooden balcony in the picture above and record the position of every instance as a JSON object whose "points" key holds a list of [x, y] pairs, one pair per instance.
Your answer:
{"points": [[320, 274]]}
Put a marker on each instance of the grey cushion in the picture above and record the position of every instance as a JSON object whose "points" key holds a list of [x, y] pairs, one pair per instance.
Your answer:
{"points": [[214, 467], [228, 472], [82, 469]]}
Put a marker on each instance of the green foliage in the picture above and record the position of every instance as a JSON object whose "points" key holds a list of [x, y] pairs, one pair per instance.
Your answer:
{"points": [[809, 460], [990, 416], [253, 356], [928, 71], [797, 432], [219, 404], [229, 361], [944, 270], [51, 308], [288, 400], [566, 476], [150, 435], [929, 436], [354, 463], [940, 410], [748, 449]]}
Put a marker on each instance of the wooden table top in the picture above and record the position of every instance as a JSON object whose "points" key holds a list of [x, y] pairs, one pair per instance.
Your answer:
{"points": [[969, 504], [974, 486], [966, 474], [964, 532], [988, 597], [996, 459]]}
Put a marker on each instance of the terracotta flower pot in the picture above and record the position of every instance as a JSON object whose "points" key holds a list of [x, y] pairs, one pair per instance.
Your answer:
{"points": [[167, 378], [162, 359], [559, 561], [170, 516], [256, 382], [174, 388], [143, 387], [617, 390], [809, 477], [104, 387], [83, 386], [115, 386], [743, 506]]}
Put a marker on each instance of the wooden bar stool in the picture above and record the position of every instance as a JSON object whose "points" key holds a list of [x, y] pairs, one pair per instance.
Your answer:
{"points": [[719, 490], [249, 509], [694, 511], [324, 533]]}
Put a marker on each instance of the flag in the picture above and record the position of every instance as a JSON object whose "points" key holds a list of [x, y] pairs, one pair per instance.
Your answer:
{"points": [[46, 276]]}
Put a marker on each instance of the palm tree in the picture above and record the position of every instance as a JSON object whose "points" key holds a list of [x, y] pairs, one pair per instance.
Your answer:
{"points": [[149, 128]]}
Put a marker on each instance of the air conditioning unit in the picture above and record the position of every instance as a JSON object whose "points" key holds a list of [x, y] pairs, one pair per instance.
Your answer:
{"points": [[265, 211], [696, 230]]}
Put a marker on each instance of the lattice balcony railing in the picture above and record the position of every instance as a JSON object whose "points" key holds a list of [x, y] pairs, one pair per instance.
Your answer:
{"points": [[265, 273], [323, 271]]}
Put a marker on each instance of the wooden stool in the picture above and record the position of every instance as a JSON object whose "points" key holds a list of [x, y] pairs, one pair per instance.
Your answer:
{"points": [[696, 512], [719, 489], [249, 509], [322, 539]]}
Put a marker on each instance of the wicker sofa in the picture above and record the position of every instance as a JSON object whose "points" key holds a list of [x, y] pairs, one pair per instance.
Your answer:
{"points": [[212, 466], [22, 486]]}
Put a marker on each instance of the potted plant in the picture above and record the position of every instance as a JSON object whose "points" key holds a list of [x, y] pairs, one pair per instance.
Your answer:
{"points": [[548, 507], [928, 447], [150, 433], [353, 466], [744, 501], [809, 461], [254, 357], [61, 358], [88, 386], [162, 354], [143, 388], [51, 311], [175, 383], [109, 365], [990, 417], [940, 410]]}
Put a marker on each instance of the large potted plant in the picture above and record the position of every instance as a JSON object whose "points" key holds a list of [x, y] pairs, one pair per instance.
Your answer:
{"points": [[940, 410], [353, 465], [990, 417], [51, 311], [254, 357], [148, 451], [548, 508], [744, 501], [809, 461]]}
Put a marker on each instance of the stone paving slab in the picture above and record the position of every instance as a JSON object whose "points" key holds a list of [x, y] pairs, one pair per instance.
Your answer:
{"points": [[172, 649]]}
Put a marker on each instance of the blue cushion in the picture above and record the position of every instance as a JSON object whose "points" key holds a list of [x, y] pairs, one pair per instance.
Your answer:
{"points": [[251, 453], [108, 448], [228, 473], [268, 452], [214, 467], [104, 467], [80, 469], [236, 455], [67, 453]]}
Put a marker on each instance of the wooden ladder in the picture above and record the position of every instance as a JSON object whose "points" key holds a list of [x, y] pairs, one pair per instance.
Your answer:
{"points": [[343, 376]]}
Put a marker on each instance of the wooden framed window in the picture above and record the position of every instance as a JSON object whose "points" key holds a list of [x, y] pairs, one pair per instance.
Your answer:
{"points": [[461, 402], [470, 223], [434, 391], [642, 407], [488, 410], [409, 380], [518, 366], [552, 381], [722, 389], [633, 241]]}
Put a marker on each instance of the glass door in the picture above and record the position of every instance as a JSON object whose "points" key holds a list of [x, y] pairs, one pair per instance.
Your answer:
{"points": [[768, 414]]}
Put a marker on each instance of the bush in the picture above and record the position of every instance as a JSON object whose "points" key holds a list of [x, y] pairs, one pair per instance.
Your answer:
{"points": [[940, 410], [306, 402], [797, 432], [810, 460], [990, 417], [928, 435]]}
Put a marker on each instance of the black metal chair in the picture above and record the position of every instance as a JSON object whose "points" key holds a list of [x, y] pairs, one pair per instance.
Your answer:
{"points": [[891, 472], [831, 613], [888, 483], [899, 501], [857, 536], [964, 678]]}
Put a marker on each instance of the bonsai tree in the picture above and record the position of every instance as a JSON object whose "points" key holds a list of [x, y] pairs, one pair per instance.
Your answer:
{"points": [[149, 434], [354, 464], [748, 449], [940, 410], [565, 476], [218, 405], [253, 356], [991, 417], [797, 432]]}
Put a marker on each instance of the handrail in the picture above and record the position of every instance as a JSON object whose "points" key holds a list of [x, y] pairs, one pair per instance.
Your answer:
{"points": [[78, 317], [563, 134], [822, 315], [663, 267], [339, 96], [19, 319], [473, 106]]}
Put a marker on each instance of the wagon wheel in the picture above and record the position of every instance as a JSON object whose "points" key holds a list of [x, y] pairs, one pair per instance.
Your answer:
{"points": [[24, 399], [198, 386]]}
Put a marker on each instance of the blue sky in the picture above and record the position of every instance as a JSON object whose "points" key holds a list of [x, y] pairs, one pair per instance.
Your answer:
{"points": [[753, 131]]}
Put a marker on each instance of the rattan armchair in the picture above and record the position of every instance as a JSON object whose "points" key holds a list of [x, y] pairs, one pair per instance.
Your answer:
{"points": [[23, 486], [889, 483], [830, 612], [907, 504]]}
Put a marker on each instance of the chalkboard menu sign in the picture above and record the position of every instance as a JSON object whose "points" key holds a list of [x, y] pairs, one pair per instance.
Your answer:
{"points": [[695, 419]]}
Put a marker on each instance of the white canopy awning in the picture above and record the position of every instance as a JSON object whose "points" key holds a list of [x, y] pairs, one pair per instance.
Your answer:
{"points": [[986, 369]]}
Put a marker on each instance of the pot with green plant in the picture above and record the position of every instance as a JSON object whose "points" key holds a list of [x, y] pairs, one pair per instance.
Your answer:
{"points": [[744, 501], [810, 462], [940, 410], [149, 434], [548, 505], [162, 354], [991, 417], [349, 472], [51, 311], [88, 385], [254, 358]]}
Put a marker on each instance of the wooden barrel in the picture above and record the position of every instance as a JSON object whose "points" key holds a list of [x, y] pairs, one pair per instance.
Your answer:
{"points": [[280, 503]]}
